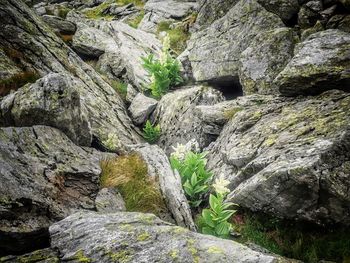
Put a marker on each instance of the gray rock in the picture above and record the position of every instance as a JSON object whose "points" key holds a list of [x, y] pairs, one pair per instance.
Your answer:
{"points": [[179, 105], [169, 182], [111, 64], [46, 255], [288, 157], [141, 108], [215, 51], [109, 200], [321, 62], [44, 177], [130, 93], [341, 22], [285, 9], [264, 59], [141, 238], [157, 11], [211, 10], [60, 25], [309, 13], [8, 68], [47, 53], [54, 101]]}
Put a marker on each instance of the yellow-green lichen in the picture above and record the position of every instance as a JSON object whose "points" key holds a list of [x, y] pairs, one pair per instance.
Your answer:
{"points": [[193, 250], [230, 113], [81, 257], [215, 250], [174, 254], [122, 256], [144, 236]]}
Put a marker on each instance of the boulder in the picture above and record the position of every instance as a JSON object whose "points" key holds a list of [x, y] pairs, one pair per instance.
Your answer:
{"points": [[39, 256], [60, 25], [141, 238], [211, 10], [289, 157], [321, 62], [179, 105], [141, 108], [169, 183], [214, 52], [341, 22], [53, 100], [285, 9], [264, 59], [157, 11], [309, 13], [44, 177], [109, 200], [40, 50]]}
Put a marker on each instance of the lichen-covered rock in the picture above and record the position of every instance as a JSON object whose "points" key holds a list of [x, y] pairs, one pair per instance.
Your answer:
{"points": [[7, 67], [141, 108], [142, 238], [40, 50], [341, 22], [321, 62], [215, 51], [127, 43], [109, 200], [169, 183], [53, 100], [39, 256], [60, 25], [285, 9], [289, 157], [211, 10], [264, 59], [309, 13], [178, 123], [157, 11], [44, 177]]}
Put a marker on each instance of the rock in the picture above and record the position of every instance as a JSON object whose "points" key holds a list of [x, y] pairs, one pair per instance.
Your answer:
{"points": [[341, 22], [141, 108], [179, 105], [309, 13], [321, 62], [312, 30], [60, 25], [285, 9], [120, 11], [215, 51], [111, 64], [264, 59], [211, 10], [288, 157], [130, 45], [41, 51], [44, 177], [136, 237], [40, 256], [53, 100], [169, 182], [130, 93], [8, 68], [91, 42], [109, 200], [157, 11]]}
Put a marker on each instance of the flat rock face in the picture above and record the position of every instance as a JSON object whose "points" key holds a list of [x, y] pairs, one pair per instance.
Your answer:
{"points": [[289, 158], [321, 62], [264, 59], [141, 238], [60, 25], [44, 177], [141, 108], [178, 123], [42, 51], [215, 51]]}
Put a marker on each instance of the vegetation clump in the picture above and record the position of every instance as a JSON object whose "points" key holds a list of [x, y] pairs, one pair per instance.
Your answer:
{"points": [[136, 20], [151, 133], [164, 72], [129, 174], [16, 81]]}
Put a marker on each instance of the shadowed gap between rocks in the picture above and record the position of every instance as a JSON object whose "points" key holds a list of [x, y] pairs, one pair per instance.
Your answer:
{"points": [[231, 88]]}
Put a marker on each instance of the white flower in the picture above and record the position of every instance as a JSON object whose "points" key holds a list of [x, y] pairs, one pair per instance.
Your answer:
{"points": [[220, 186], [180, 152]]}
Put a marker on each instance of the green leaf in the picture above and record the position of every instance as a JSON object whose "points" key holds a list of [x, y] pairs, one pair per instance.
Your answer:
{"points": [[206, 214], [223, 229], [208, 231]]}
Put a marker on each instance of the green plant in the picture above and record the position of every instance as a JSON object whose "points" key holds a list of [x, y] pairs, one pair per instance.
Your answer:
{"points": [[136, 20], [120, 87], [214, 221], [178, 35], [151, 133], [164, 72], [194, 176]]}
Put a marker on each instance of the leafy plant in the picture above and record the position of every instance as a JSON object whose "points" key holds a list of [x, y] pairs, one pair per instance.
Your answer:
{"points": [[151, 133], [194, 176], [214, 221], [164, 72]]}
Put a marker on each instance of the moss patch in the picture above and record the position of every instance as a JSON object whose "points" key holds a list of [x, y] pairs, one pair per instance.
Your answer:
{"points": [[120, 87], [79, 256], [136, 20], [129, 174], [16, 81]]}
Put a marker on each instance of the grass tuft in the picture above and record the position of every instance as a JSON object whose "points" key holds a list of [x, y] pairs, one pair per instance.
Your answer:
{"points": [[135, 21], [129, 174]]}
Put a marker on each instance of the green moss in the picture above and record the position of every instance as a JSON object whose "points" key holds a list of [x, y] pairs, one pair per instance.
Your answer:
{"points": [[36, 256], [136, 20], [120, 87], [129, 174], [122, 256], [144, 236], [230, 113], [80, 257], [302, 241]]}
